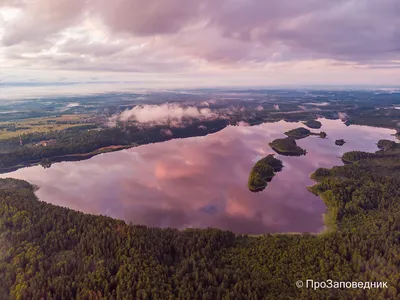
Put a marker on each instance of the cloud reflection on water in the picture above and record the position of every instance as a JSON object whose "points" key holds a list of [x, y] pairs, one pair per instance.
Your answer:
{"points": [[202, 181]]}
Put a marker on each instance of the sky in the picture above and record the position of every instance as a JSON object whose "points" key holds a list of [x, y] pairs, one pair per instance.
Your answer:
{"points": [[181, 43]]}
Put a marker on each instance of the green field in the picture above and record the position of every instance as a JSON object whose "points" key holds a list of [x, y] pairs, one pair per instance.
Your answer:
{"points": [[13, 129]]}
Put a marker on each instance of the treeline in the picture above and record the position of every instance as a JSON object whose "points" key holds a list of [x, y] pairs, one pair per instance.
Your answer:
{"points": [[371, 116], [49, 252]]}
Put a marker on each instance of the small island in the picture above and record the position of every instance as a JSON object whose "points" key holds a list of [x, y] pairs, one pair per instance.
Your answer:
{"points": [[262, 172], [301, 132], [386, 144], [314, 124], [45, 163], [298, 133], [287, 146], [340, 142]]}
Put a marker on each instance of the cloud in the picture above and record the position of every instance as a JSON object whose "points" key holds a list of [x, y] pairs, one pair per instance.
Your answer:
{"points": [[73, 104], [343, 116], [151, 17], [318, 103], [41, 19], [165, 113], [200, 36]]}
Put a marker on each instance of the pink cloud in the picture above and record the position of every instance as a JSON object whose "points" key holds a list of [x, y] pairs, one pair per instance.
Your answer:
{"points": [[162, 114], [205, 36]]}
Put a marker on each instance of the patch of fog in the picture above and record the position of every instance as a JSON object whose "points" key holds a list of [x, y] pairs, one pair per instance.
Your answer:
{"points": [[276, 106], [318, 103], [162, 114], [73, 104], [166, 132], [242, 123], [10, 111], [397, 107], [208, 102], [302, 107], [70, 105], [343, 116], [259, 108], [387, 91]]}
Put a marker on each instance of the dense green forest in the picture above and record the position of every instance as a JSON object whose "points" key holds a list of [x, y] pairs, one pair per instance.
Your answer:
{"points": [[262, 172], [50, 252], [287, 146]]}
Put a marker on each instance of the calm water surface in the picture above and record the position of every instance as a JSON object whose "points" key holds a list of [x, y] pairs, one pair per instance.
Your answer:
{"points": [[202, 181]]}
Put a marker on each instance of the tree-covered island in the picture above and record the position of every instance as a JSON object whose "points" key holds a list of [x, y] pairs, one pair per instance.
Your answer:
{"points": [[262, 172], [314, 124], [298, 133], [287, 146], [340, 142], [301, 132]]}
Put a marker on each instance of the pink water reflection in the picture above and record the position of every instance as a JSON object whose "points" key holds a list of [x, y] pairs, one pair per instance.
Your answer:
{"points": [[202, 181]]}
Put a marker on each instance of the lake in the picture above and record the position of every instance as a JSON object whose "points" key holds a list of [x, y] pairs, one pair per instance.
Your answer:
{"points": [[202, 181]]}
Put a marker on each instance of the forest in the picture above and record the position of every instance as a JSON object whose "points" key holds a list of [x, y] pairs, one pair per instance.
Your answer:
{"points": [[51, 252]]}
